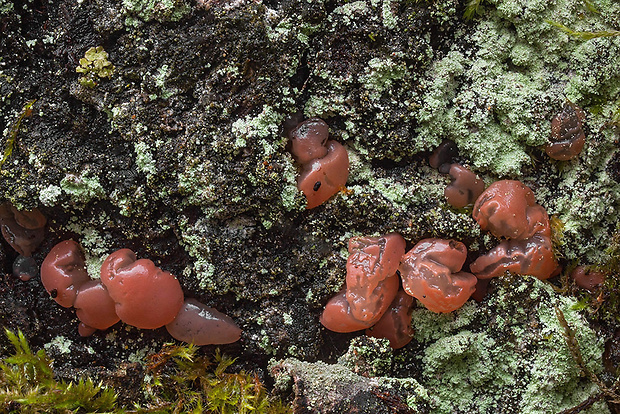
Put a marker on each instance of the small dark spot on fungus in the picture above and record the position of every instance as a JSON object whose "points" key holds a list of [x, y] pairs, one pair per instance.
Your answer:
{"points": [[201, 325], [63, 271], [371, 261], [567, 136], [25, 268], [465, 187], [146, 296], [587, 278], [94, 307], [23, 230], [431, 273], [325, 164], [395, 324]]}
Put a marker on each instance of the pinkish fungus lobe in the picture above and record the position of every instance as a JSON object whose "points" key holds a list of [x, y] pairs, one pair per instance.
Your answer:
{"points": [[431, 273], [567, 136], [146, 296], [63, 272], [395, 324], [371, 260], [94, 307], [587, 278], [337, 315], [23, 230], [201, 325], [465, 187], [309, 140]]}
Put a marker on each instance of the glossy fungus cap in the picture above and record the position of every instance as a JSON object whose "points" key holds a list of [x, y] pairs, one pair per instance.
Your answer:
{"points": [[94, 306], [63, 272], [146, 296], [201, 325], [395, 324], [309, 140]]}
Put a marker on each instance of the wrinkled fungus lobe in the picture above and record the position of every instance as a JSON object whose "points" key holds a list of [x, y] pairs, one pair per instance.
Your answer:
{"points": [[337, 315], [508, 209], [430, 272], [201, 325], [309, 140], [567, 136], [23, 230], [325, 164], [145, 296], [465, 187], [587, 278], [63, 272], [395, 324], [94, 307], [371, 260]]}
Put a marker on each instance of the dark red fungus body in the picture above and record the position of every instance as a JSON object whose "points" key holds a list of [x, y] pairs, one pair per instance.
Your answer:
{"points": [[443, 156], [23, 230], [395, 324], [63, 272], [430, 272], [201, 325], [465, 187], [567, 136], [145, 296], [587, 278]]}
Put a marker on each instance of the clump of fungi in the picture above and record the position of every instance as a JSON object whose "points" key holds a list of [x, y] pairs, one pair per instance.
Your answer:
{"points": [[587, 278], [24, 231], [567, 136], [325, 163], [133, 291], [509, 210]]}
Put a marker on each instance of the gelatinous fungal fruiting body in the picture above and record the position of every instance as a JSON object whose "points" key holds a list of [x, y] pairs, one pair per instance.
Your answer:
{"points": [[567, 136], [94, 307], [23, 230], [145, 296], [395, 324], [587, 278], [465, 187], [325, 164], [63, 272], [508, 209], [430, 272], [201, 325], [371, 261]]}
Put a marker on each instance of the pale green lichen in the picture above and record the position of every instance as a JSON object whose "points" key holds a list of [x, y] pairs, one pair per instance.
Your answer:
{"points": [[49, 195], [94, 65], [144, 159], [82, 188], [265, 124], [61, 343], [516, 352], [380, 76], [138, 11]]}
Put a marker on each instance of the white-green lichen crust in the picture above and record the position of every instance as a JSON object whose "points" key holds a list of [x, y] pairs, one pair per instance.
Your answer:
{"points": [[509, 351], [495, 96]]}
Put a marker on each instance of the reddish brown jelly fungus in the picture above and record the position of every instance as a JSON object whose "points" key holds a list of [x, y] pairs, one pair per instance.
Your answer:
{"points": [[567, 136], [587, 278], [321, 178], [63, 272], [18, 228], [201, 325], [533, 256], [395, 324], [146, 296], [465, 187], [508, 209], [430, 273], [337, 315], [444, 154], [371, 261], [309, 140], [94, 307]]}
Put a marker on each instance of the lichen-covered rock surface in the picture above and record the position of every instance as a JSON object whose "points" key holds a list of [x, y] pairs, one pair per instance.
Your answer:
{"points": [[157, 126]]}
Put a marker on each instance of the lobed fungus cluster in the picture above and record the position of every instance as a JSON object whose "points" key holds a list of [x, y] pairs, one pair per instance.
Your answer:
{"points": [[324, 163], [133, 291], [567, 135]]}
